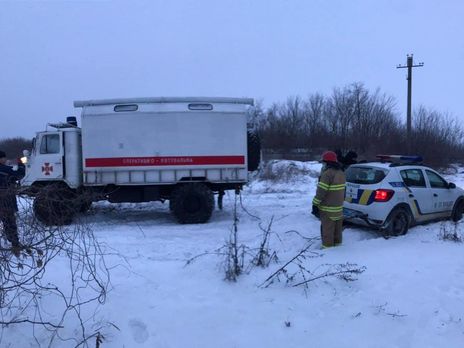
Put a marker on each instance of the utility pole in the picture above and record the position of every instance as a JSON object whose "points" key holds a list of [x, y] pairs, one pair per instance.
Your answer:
{"points": [[409, 65]]}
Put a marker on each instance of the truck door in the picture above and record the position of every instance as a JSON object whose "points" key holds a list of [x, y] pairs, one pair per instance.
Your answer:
{"points": [[49, 155]]}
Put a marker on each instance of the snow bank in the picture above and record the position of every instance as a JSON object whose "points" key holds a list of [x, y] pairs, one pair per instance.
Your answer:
{"points": [[285, 176]]}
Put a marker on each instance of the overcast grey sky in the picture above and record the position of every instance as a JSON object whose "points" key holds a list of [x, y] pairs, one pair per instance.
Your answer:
{"points": [[55, 52]]}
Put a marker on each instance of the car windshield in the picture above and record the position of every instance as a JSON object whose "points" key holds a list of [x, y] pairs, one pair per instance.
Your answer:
{"points": [[365, 175]]}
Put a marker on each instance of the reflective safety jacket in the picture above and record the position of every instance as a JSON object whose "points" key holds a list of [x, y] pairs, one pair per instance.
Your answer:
{"points": [[330, 192]]}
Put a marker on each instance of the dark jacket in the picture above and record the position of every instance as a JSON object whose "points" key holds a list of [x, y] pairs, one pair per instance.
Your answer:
{"points": [[8, 179], [349, 159]]}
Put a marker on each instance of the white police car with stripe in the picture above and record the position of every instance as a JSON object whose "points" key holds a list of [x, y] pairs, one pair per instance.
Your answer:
{"points": [[397, 192]]}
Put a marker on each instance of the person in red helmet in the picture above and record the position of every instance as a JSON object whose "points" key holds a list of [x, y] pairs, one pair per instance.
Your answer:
{"points": [[329, 199]]}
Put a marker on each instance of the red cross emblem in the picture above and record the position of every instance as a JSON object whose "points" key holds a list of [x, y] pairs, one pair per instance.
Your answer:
{"points": [[47, 168]]}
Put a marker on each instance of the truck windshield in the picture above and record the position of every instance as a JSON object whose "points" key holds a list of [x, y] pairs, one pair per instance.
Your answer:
{"points": [[365, 175]]}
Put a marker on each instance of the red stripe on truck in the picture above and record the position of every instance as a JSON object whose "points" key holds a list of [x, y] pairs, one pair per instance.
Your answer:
{"points": [[163, 161]]}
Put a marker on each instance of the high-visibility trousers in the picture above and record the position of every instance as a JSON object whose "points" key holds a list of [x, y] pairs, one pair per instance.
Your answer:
{"points": [[331, 230]]}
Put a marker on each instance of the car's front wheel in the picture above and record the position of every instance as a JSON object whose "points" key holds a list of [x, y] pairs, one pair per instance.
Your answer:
{"points": [[397, 223], [458, 211]]}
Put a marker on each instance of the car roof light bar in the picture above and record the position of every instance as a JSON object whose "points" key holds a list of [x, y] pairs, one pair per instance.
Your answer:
{"points": [[400, 158]]}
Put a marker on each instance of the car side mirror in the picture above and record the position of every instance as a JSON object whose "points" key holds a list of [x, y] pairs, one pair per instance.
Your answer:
{"points": [[451, 185]]}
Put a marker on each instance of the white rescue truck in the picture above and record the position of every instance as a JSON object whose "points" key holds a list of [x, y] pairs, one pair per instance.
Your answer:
{"points": [[140, 150]]}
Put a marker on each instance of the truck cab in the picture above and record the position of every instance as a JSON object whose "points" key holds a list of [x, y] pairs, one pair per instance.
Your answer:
{"points": [[56, 156]]}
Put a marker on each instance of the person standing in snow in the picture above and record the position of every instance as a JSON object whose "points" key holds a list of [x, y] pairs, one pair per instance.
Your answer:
{"points": [[8, 205], [329, 199]]}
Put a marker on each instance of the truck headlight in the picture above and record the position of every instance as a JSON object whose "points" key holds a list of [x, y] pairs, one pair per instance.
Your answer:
{"points": [[23, 160]]}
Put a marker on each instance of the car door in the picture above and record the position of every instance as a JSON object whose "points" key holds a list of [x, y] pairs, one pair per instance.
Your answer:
{"points": [[420, 196], [443, 197]]}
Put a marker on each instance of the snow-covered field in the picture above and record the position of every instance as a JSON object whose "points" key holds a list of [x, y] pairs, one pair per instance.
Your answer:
{"points": [[410, 295]]}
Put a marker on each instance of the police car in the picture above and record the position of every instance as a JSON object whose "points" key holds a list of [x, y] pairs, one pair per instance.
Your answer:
{"points": [[398, 192]]}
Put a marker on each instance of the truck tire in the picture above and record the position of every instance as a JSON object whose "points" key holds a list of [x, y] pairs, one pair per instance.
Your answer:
{"points": [[253, 150], [192, 203], [55, 205], [84, 206]]}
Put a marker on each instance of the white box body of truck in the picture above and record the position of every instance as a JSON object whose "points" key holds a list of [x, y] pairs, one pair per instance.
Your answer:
{"points": [[126, 142], [143, 149]]}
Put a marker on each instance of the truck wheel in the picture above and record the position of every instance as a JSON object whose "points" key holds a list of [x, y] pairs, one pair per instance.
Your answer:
{"points": [[84, 206], [192, 203], [253, 150], [458, 211], [55, 205], [397, 223]]}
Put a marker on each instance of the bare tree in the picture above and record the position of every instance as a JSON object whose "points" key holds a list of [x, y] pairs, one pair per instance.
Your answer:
{"points": [[14, 146], [314, 123], [28, 287], [354, 118], [438, 137]]}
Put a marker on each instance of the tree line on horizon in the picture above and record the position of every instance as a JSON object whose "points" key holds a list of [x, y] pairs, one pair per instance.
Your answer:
{"points": [[355, 118]]}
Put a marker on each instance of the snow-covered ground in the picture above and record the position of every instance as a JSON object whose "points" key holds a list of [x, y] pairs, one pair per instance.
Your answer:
{"points": [[410, 295]]}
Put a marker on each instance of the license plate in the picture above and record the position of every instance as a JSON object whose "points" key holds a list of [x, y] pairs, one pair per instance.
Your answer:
{"points": [[352, 214], [351, 192]]}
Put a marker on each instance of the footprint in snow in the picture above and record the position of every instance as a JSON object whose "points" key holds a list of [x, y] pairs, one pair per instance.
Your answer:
{"points": [[138, 330]]}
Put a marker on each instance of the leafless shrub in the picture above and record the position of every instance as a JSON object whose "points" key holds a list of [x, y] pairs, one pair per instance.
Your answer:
{"points": [[297, 260], [264, 255], [296, 271], [450, 231], [232, 252], [235, 253], [32, 294], [238, 258]]}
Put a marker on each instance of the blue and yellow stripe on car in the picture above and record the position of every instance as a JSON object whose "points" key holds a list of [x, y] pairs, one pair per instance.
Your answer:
{"points": [[415, 209], [419, 215], [365, 197]]}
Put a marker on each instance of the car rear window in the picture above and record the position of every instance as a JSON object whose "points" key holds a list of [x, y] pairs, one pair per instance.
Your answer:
{"points": [[365, 175]]}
